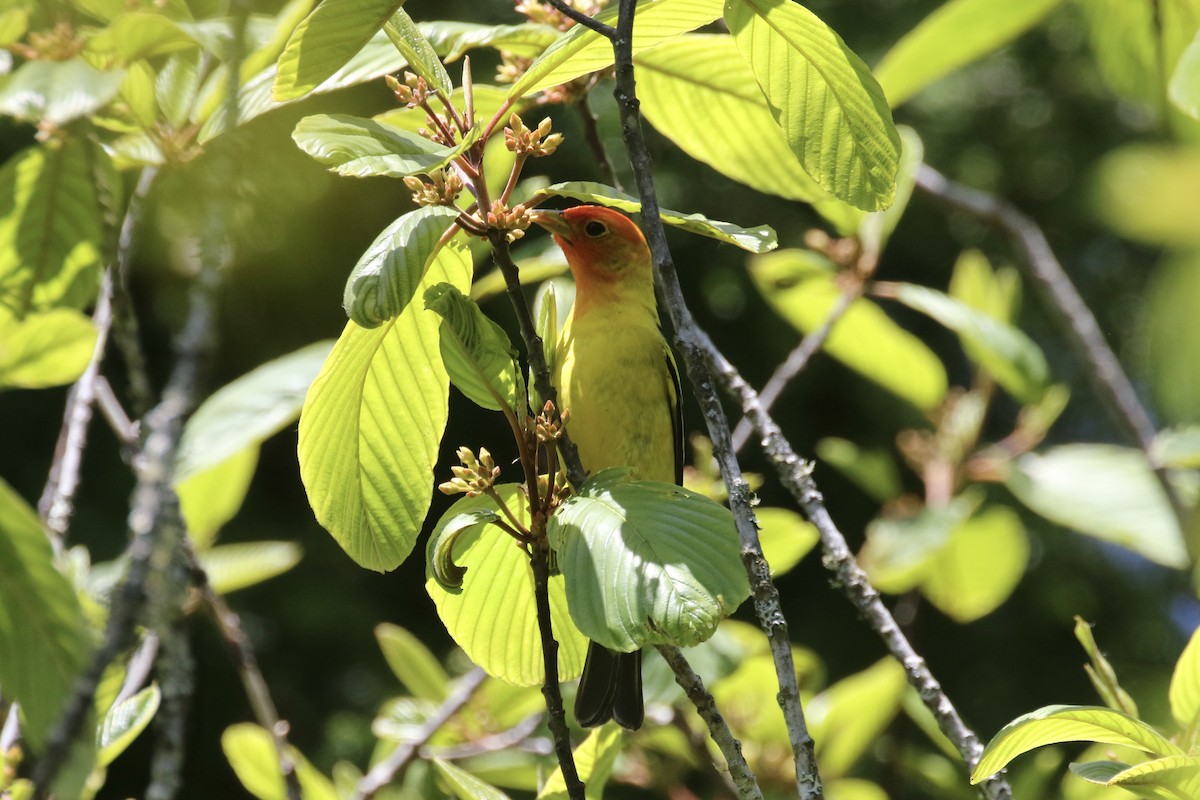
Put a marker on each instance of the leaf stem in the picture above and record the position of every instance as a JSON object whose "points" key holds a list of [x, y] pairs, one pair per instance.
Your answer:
{"points": [[607, 31]]}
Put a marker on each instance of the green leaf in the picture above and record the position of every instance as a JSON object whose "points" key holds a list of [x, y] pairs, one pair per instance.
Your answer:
{"points": [[801, 287], [645, 562], [1098, 771], [476, 351], [439, 550], [176, 85], [251, 752], [417, 50], [385, 279], [124, 722], [1179, 775], [51, 229], [57, 92], [1104, 491], [1101, 673], [699, 93], [488, 101], [465, 785], [1184, 88], [1185, 685], [361, 148], [249, 410], [1003, 350], [1177, 447], [371, 425], [581, 50], [833, 113], [786, 538], [411, 662], [900, 550], [847, 718], [980, 566], [1057, 724], [45, 349], [325, 41], [493, 617], [451, 39], [594, 760], [13, 24], [996, 293], [874, 471], [755, 240], [43, 633], [957, 33], [208, 499], [235, 566], [1169, 337], [1146, 192], [139, 35]]}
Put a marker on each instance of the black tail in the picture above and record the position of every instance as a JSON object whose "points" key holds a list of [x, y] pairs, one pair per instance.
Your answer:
{"points": [[611, 688]]}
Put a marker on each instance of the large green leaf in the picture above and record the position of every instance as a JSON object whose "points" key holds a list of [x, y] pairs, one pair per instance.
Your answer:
{"points": [[802, 288], [594, 760], [493, 616], [48, 348], [646, 563], [1185, 685], [325, 41], [417, 668], [1104, 491], [385, 279], [123, 722], [52, 227], [1057, 724], [699, 92], [1003, 350], [582, 50], [847, 718], [417, 51], [235, 566], [56, 92], [451, 39], [1176, 775], [756, 240], [43, 633], [478, 355], [465, 785], [833, 113], [360, 147], [371, 425], [980, 566], [957, 33], [249, 410], [252, 754]]}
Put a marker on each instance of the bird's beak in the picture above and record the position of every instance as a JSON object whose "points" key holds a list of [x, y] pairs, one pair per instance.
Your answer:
{"points": [[552, 221]]}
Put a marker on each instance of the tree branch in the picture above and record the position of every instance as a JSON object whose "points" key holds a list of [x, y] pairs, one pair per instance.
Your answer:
{"points": [[1076, 320], [592, 23], [591, 135], [387, 770], [743, 778], [796, 476], [690, 341]]}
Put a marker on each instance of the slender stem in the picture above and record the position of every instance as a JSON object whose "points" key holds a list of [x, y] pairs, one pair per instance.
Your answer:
{"points": [[693, 344], [743, 778], [513, 177], [1076, 320], [497, 119], [539, 560], [796, 476], [515, 736], [591, 135], [795, 363], [387, 770], [125, 329], [516, 523], [607, 31]]}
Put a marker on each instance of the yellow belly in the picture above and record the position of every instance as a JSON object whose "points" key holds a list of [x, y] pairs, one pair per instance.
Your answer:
{"points": [[614, 377]]}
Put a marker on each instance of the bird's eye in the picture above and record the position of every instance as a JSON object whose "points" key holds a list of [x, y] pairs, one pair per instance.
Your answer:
{"points": [[595, 229]]}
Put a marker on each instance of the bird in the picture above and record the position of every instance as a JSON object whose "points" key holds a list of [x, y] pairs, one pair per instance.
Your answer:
{"points": [[617, 379]]}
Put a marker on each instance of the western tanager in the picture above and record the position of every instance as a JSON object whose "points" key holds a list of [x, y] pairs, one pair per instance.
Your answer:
{"points": [[616, 377]]}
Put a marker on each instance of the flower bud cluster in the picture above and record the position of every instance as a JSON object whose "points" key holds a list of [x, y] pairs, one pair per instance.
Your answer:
{"points": [[441, 189], [546, 427], [413, 92], [475, 476], [512, 221], [537, 142], [544, 14]]}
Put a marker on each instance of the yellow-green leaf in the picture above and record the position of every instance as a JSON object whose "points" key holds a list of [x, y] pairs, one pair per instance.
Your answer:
{"points": [[47, 348], [252, 754], [123, 722], [848, 717], [1185, 684], [235, 566], [411, 662]]}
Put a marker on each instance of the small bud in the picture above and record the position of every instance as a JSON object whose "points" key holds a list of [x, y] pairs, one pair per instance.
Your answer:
{"points": [[543, 127]]}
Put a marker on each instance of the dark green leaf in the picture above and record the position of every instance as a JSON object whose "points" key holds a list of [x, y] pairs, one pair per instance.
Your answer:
{"points": [[476, 351]]}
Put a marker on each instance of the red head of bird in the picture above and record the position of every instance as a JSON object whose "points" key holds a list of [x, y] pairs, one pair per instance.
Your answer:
{"points": [[606, 251]]}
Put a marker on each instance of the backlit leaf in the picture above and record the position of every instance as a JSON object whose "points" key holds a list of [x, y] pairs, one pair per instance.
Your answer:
{"points": [[465, 785], [980, 566], [476, 351], [235, 566], [360, 147], [47, 348], [212, 496], [873, 471], [451, 38], [1185, 684], [1145, 192], [123, 722], [252, 754], [56, 92], [594, 760], [417, 51], [848, 717], [1184, 89], [1178, 775], [417, 668]]}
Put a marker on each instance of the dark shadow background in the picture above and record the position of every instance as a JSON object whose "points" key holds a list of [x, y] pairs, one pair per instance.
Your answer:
{"points": [[1028, 124]]}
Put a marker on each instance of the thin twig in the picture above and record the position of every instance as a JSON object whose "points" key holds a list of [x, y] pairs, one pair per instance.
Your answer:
{"points": [[743, 778], [1083, 333], [387, 770], [607, 31], [138, 668], [125, 331], [796, 476], [591, 135], [253, 682], [690, 341], [795, 363], [513, 737]]}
